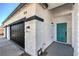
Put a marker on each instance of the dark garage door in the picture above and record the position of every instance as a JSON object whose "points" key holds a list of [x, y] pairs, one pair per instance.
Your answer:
{"points": [[17, 34]]}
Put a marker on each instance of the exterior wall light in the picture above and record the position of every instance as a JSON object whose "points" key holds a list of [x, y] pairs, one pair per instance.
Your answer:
{"points": [[44, 5], [25, 12], [51, 22], [28, 29]]}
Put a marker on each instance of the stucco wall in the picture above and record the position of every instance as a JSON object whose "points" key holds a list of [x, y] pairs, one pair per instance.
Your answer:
{"points": [[1, 32], [75, 33], [62, 10], [78, 29], [47, 33], [63, 14], [30, 8], [30, 37], [64, 19], [40, 36], [43, 28]]}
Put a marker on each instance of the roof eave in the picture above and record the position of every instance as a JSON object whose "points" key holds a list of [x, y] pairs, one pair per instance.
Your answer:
{"points": [[16, 9]]}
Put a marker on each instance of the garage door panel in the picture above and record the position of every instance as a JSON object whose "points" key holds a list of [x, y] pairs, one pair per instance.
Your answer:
{"points": [[17, 34]]}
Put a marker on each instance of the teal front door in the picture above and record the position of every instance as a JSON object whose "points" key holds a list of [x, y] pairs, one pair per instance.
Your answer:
{"points": [[62, 32]]}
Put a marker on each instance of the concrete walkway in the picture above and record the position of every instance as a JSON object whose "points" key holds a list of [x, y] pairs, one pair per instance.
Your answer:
{"points": [[58, 49], [8, 48]]}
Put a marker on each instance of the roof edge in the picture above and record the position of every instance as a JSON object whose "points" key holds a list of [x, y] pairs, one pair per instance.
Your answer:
{"points": [[13, 12]]}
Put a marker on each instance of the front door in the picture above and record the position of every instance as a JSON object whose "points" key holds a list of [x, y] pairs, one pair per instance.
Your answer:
{"points": [[62, 32]]}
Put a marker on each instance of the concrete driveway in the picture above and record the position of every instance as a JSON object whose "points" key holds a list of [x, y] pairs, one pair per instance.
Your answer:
{"points": [[8, 48]]}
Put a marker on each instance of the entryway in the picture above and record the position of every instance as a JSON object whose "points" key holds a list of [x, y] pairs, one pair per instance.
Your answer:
{"points": [[62, 32], [59, 49]]}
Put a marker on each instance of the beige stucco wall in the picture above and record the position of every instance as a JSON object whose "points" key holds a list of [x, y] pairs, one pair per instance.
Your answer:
{"points": [[63, 14], [43, 29], [78, 29], [30, 37], [75, 30], [62, 10], [1, 32], [47, 31], [30, 8], [64, 19]]}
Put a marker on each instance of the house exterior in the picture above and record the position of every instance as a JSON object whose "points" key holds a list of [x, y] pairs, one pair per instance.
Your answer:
{"points": [[35, 26], [1, 32]]}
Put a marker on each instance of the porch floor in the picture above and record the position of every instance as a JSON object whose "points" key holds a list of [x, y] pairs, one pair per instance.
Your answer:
{"points": [[59, 49]]}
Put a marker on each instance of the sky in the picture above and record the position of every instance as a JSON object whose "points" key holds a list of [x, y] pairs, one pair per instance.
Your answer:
{"points": [[6, 9]]}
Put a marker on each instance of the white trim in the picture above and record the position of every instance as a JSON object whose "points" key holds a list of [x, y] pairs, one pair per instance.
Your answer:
{"points": [[8, 33]]}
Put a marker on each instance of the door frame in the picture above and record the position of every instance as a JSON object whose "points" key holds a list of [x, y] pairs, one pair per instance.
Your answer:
{"points": [[56, 33]]}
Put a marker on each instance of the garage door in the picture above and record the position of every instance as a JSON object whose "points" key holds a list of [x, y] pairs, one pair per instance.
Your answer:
{"points": [[17, 33]]}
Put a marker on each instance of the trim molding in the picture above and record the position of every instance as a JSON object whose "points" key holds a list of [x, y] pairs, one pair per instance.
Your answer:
{"points": [[26, 20], [16, 22], [34, 18]]}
